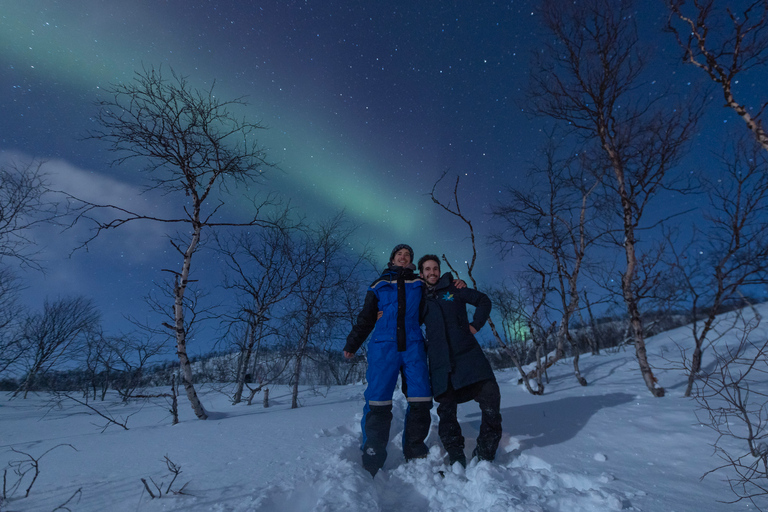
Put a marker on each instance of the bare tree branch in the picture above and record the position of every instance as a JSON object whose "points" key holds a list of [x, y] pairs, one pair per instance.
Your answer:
{"points": [[725, 44], [588, 78], [194, 148]]}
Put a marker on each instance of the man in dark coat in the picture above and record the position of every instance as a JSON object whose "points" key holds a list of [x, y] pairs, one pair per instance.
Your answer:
{"points": [[391, 316], [458, 369]]}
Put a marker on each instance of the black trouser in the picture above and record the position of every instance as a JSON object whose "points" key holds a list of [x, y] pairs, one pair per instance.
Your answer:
{"points": [[487, 395], [377, 423]]}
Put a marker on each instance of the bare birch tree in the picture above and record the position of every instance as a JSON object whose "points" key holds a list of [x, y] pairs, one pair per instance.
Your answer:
{"points": [[97, 360], [521, 306], [24, 203], [734, 405], [726, 42], [13, 346], [52, 332], [195, 149], [588, 77], [719, 263], [264, 274], [130, 355], [326, 262], [548, 216]]}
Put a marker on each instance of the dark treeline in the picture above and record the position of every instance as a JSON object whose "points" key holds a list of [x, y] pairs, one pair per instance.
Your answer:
{"points": [[322, 368]]}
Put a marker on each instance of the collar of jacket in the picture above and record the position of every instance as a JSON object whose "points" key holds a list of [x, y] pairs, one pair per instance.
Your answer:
{"points": [[398, 268], [394, 272], [445, 281]]}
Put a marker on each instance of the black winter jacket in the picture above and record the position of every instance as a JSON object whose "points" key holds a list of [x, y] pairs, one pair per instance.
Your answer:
{"points": [[454, 354]]}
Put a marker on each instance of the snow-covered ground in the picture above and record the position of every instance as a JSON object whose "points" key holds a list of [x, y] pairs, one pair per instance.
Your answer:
{"points": [[608, 446]]}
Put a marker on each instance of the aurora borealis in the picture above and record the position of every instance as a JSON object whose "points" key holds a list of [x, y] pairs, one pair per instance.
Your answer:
{"points": [[367, 104]]}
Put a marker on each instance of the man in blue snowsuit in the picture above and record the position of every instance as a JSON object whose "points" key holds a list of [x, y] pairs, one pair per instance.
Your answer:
{"points": [[396, 347]]}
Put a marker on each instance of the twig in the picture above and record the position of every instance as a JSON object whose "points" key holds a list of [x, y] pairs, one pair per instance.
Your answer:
{"points": [[146, 486], [107, 417], [63, 506], [175, 470], [19, 467]]}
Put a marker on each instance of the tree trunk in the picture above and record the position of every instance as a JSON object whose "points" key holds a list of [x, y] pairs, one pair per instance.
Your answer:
{"points": [[248, 355], [699, 338], [174, 401], [27, 381], [105, 386], [576, 371], [593, 342], [576, 354], [573, 304], [296, 374], [695, 367], [300, 354], [636, 324], [179, 288], [242, 367], [539, 370], [627, 280], [240, 381]]}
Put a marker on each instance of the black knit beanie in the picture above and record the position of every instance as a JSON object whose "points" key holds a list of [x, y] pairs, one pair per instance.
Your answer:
{"points": [[397, 248]]}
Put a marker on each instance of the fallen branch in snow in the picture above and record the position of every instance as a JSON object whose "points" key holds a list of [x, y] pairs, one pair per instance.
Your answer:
{"points": [[63, 506], [175, 470], [22, 467], [105, 415]]}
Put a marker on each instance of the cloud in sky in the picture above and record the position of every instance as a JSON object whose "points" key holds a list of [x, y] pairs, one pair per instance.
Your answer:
{"points": [[137, 240]]}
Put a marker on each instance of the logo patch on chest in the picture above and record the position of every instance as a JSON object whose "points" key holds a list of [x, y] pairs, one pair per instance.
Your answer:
{"points": [[447, 296]]}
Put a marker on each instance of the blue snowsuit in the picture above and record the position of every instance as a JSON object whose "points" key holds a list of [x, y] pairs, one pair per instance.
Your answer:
{"points": [[396, 347]]}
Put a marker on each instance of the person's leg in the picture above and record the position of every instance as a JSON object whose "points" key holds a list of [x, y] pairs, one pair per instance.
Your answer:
{"points": [[383, 367], [417, 422], [376, 422], [489, 399], [419, 395], [449, 428]]}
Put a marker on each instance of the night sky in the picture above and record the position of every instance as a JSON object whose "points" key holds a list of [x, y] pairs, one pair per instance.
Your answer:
{"points": [[367, 104]]}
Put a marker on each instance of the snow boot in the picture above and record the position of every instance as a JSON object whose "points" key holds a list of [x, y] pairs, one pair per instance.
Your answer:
{"points": [[376, 437], [450, 432], [371, 468], [417, 422], [488, 439], [456, 456], [483, 455]]}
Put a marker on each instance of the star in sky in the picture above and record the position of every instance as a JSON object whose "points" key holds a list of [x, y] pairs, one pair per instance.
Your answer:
{"points": [[367, 104]]}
